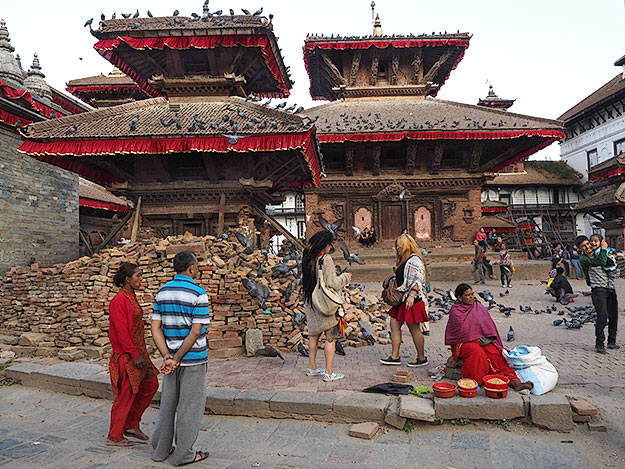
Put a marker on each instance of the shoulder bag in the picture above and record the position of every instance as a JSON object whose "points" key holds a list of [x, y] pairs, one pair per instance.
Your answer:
{"points": [[325, 299], [390, 294]]}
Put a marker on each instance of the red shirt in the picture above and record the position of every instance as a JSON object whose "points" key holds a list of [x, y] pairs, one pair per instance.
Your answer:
{"points": [[120, 326]]}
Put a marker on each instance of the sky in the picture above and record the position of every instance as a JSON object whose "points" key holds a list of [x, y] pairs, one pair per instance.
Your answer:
{"points": [[546, 54]]}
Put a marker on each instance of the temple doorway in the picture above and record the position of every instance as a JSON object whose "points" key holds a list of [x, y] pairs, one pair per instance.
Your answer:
{"points": [[363, 218], [423, 224], [392, 220]]}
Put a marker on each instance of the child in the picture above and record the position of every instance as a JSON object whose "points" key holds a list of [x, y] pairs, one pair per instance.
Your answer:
{"points": [[595, 243]]}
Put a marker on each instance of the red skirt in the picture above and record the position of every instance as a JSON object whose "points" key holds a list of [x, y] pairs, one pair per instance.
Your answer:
{"points": [[414, 315], [478, 361]]}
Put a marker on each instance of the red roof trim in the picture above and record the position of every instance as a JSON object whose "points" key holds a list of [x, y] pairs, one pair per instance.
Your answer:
{"points": [[446, 135], [383, 44], [105, 47], [84, 202], [65, 104], [54, 151], [11, 119], [13, 93], [605, 175]]}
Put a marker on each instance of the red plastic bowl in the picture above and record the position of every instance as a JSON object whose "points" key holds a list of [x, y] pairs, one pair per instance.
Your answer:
{"points": [[467, 392], [494, 386], [496, 393], [444, 390]]}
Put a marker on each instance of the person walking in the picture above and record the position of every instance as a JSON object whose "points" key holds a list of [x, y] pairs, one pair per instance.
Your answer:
{"points": [[577, 266], [133, 375], [411, 276], [477, 264], [603, 292], [505, 266], [316, 260], [179, 330]]}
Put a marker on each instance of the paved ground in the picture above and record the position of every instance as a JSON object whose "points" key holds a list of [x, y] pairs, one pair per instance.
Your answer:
{"points": [[39, 429], [571, 351]]}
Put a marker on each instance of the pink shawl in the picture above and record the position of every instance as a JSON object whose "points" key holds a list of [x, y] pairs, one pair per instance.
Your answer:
{"points": [[467, 323]]}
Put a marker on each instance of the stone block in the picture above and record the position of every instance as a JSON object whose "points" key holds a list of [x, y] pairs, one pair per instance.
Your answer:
{"points": [[415, 408], [365, 430], [31, 339], [9, 339], [581, 418], [221, 400], [253, 341], [96, 386], [597, 425], [552, 412], [253, 402], [480, 407], [226, 352], [402, 376], [294, 404], [392, 416], [582, 407], [22, 373], [360, 407]]}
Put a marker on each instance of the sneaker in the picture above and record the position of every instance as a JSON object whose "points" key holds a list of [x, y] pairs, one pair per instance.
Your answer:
{"points": [[614, 346], [600, 349], [417, 362], [333, 377], [390, 361], [317, 372]]}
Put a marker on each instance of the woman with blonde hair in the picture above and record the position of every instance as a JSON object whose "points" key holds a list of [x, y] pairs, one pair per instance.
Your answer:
{"points": [[412, 276]]}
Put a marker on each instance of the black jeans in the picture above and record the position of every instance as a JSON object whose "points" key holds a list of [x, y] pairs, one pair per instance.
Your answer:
{"points": [[506, 274], [606, 306]]}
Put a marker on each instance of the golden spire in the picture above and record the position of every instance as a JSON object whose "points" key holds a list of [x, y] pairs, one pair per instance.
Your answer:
{"points": [[377, 26]]}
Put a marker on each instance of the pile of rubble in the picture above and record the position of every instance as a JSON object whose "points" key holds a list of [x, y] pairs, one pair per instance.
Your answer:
{"points": [[66, 306]]}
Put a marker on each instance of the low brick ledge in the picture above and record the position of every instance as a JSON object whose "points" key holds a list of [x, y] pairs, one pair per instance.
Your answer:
{"points": [[92, 380]]}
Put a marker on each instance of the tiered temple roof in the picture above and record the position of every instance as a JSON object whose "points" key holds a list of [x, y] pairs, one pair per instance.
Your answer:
{"points": [[492, 100], [106, 90]]}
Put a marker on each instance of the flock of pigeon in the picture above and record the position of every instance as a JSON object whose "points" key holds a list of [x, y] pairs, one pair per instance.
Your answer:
{"points": [[374, 121]]}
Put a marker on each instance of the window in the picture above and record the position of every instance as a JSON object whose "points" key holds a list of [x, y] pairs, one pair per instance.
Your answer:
{"points": [[592, 158], [504, 198], [619, 147]]}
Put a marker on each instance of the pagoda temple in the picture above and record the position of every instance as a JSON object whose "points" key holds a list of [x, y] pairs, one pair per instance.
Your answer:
{"points": [[203, 151], [106, 90], [396, 157], [492, 100]]}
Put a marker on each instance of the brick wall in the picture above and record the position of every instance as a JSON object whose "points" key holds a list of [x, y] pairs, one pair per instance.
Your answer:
{"points": [[38, 208]]}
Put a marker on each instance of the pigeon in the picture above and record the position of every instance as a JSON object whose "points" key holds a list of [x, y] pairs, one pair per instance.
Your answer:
{"points": [[246, 12], [298, 110], [288, 292], [176, 13], [136, 15], [258, 12], [302, 350], [256, 290], [349, 257], [357, 231], [510, 336], [525, 309], [299, 320], [557, 322], [282, 268], [259, 269], [367, 332], [281, 105], [89, 22], [102, 17], [126, 15], [233, 139], [71, 130], [150, 14], [231, 12], [263, 251], [113, 16], [197, 121], [136, 25], [361, 305], [553, 308], [268, 351], [133, 123], [486, 295], [291, 108], [331, 227], [502, 294], [339, 348], [18, 124], [560, 313], [312, 120], [223, 235], [246, 242]]}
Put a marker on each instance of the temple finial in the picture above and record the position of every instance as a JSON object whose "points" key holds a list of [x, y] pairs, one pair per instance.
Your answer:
{"points": [[377, 26], [10, 70]]}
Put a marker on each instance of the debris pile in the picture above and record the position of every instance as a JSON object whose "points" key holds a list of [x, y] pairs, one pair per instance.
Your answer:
{"points": [[66, 305]]}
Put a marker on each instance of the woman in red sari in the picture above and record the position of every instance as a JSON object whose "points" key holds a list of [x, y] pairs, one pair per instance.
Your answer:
{"points": [[474, 339], [133, 375]]}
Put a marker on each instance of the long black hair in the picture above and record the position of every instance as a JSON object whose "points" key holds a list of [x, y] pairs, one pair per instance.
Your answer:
{"points": [[314, 246], [127, 269]]}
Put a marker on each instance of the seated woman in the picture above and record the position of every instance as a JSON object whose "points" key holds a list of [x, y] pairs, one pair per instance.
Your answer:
{"points": [[474, 339], [364, 237]]}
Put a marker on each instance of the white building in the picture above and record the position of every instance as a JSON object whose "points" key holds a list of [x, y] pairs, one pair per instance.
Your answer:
{"points": [[290, 214], [595, 129]]}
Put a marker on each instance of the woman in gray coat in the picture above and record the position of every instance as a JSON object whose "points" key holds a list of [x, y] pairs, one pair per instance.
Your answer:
{"points": [[317, 256]]}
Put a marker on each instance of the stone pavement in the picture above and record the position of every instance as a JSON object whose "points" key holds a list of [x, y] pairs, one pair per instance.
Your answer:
{"points": [[39, 429], [571, 351]]}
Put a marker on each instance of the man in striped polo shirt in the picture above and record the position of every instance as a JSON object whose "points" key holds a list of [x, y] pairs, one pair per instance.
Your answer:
{"points": [[179, 331]]}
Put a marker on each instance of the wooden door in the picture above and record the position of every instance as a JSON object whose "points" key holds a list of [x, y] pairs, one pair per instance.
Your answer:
{"points": [[392, 220]]}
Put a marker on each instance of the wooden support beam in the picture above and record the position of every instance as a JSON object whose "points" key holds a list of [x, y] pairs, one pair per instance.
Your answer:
{"points": [[375, 65], [154, 64], [349, 158], [222, 213], [377, 156], [209, 165], [135, 222], [334, 72], [113, 169], [417, 67], [437, 65], [113, 233], [86, 242], [439, 150], [476, 155], [236, 61], [499, 159], [355, 67], [287, 234], [411, 157], [394, 69], [174, 62], [212, 63]]}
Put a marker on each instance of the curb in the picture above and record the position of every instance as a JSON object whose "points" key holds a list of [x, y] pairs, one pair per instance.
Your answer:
{"points": [[551, 411]]}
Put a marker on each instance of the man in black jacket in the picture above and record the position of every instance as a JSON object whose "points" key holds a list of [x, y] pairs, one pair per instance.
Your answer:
{"points": [[560, 288]]}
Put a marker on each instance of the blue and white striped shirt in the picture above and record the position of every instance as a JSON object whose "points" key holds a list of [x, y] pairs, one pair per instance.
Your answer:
{"points": [[179, 304]]}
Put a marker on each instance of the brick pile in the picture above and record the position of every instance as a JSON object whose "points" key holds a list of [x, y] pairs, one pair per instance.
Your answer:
{"points": [[66, 306]]}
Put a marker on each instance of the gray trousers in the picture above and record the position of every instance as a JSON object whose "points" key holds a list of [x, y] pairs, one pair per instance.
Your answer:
{"points": [[184, 390], [478, 273]]}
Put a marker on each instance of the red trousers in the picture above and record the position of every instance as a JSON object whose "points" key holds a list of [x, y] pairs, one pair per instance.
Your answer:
{"points": [[478, 361], [128, 408]]}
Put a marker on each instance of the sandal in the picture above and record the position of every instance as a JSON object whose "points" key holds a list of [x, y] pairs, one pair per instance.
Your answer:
{"points": [[123, 442], [136, 433], [199, 456]]}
